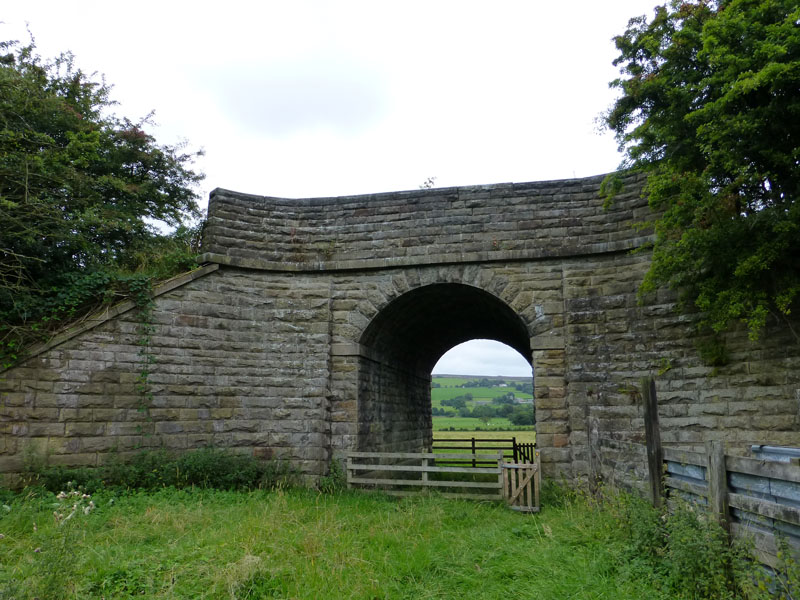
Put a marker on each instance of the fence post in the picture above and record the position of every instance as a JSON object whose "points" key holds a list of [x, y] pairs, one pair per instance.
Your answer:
{"points": [[473, 451], [718, 483], [655, 454], [514, 443], [502, 477], [537, 481]]}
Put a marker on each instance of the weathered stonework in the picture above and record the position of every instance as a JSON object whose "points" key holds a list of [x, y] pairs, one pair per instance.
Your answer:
{"points": [[315, 323]]}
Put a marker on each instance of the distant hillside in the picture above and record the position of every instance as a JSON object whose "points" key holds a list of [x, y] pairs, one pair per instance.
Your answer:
{"points": [[463, 402], [470, 377]]}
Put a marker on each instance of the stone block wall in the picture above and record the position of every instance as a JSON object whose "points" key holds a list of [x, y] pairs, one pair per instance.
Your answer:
{"points": [[229, 369], [313, 328], [614, 341], [398, 419]]}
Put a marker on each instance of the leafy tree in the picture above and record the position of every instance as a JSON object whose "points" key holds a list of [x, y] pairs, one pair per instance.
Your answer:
{"points": [[484, 413], [526, 388], [505, 410], [522, 415], [508, 398], [710, 109], [80, 189], [458, 401]]}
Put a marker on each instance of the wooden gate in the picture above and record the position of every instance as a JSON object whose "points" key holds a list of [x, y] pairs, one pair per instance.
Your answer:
{"points": [[521, 485]]}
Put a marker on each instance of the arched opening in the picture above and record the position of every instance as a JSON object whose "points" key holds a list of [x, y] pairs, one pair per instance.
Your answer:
{"points": [[402, 344], [482, 389]]}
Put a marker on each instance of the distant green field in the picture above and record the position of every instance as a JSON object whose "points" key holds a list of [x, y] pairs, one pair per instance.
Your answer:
{"points": [[456, 381], [451, 381], [451, 388], [478, 393], [440, 423]]}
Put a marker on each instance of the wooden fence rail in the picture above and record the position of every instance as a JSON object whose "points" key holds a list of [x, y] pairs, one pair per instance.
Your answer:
{"points": [[518, 452], [474, 445], [408, 473], [412, 473]]}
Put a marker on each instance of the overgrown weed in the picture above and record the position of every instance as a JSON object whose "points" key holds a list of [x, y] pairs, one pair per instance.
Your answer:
{"points": [[336, 479]]}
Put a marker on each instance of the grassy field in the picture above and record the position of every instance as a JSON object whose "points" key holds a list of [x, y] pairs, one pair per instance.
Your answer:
{"points": [[301, 544], [523, 437], [468, 423]]}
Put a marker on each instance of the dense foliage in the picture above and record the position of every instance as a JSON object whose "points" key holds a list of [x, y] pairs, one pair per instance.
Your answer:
{"points": [[710, 108], [80, 191]]}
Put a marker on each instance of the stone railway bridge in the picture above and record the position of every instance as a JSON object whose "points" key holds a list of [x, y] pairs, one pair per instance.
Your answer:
{"points": [[313, 325]]}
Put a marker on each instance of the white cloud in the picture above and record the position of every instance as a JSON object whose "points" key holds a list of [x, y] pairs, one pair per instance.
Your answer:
{"points": [[280, 99], [317, 98], [482, 357]]}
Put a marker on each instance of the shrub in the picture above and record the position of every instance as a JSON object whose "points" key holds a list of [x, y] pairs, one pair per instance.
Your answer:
{"points": [[687, 550], [151, 469], [522, 415]]}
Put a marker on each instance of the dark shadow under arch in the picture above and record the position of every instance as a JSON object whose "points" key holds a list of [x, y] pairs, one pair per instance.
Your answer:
{"points": [[402, 344], [417, 328]]}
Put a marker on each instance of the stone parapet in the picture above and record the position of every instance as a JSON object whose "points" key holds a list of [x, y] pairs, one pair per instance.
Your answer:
{"points": [[474, 224]]}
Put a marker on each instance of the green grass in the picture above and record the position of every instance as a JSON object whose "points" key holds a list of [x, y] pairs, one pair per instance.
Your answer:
{"points": [[300, 544], [523, 437]]}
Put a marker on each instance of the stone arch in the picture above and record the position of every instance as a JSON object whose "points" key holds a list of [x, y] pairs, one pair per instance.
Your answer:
{"points": [[531, 300], [402, 343]]}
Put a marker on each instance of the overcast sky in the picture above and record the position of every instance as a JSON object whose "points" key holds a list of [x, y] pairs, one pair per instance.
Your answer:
{"points": [[313, 98]]}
